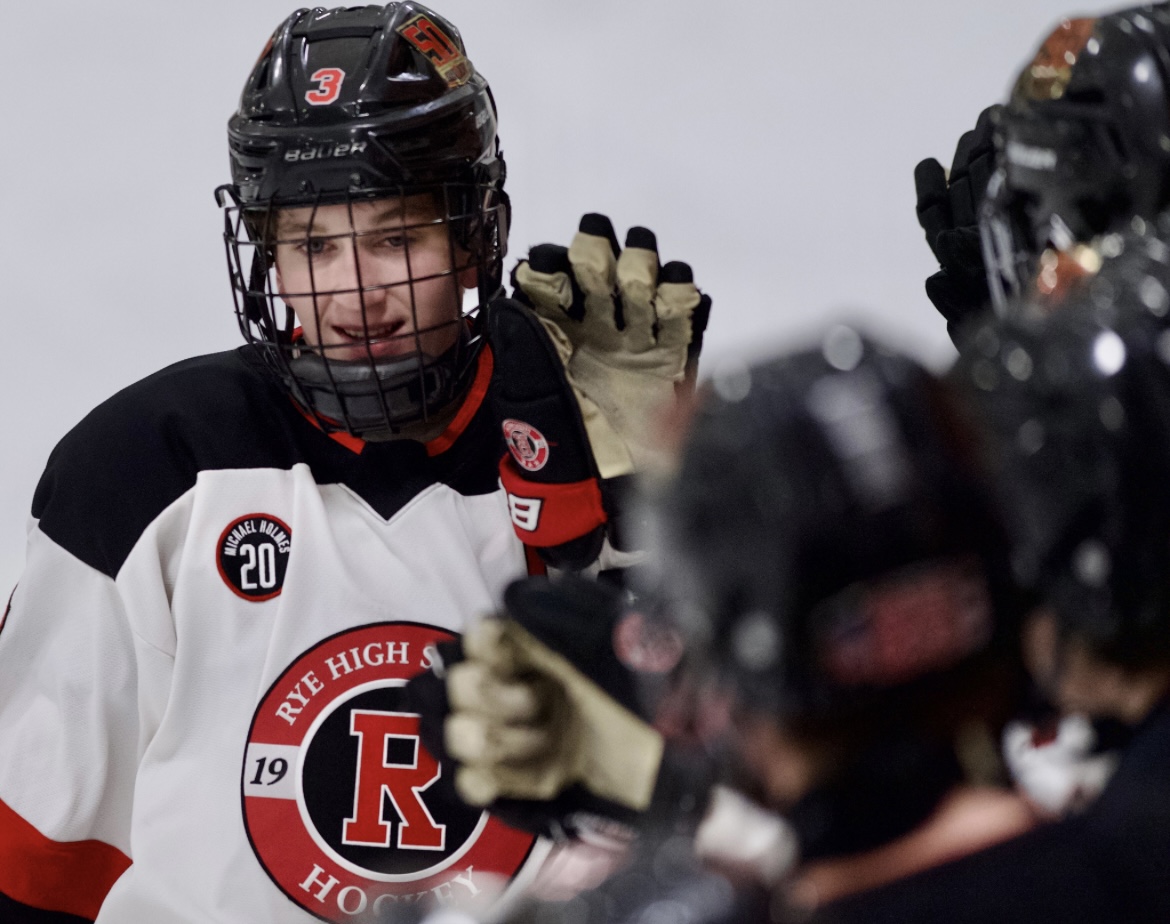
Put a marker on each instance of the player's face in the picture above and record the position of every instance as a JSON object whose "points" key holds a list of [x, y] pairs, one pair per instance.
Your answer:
{"points": [[387, 283]]}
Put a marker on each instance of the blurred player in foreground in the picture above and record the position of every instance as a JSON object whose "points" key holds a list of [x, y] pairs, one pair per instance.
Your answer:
{"points": [[1070, 175], [847, 587], [1080, 405], [238, 562], [842, 583]]}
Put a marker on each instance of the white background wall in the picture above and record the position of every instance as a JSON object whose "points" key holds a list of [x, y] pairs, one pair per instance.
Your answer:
{"points": [[769, 142]]}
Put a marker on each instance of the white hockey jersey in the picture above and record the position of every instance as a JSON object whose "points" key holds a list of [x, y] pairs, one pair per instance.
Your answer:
{"points": [[201, 667]]}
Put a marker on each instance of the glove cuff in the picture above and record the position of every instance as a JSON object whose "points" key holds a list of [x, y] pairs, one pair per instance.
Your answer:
{"points": [[544, 514]]}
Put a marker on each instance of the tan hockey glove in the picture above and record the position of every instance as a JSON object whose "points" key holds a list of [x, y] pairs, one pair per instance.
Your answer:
{"points": [[624, 327], [526, 724], [589, 358]]}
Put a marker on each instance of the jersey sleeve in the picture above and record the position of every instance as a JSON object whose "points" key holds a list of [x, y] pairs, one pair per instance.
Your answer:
{"points": [[85, 665], [68, 711]]}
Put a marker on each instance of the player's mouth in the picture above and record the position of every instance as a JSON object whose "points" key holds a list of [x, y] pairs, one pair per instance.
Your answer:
{"points": [[380, 341]]}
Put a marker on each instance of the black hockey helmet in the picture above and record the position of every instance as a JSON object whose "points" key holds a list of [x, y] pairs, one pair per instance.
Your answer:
{"points": [[1084, 146], [1078, 406], [828, 537], [344, 107]]}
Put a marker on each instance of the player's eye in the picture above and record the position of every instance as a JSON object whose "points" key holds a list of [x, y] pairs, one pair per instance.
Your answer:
{"points": [[397, 240], [314, 246]]}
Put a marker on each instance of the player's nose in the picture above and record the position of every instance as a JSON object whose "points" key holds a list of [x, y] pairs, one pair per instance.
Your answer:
{"points": [[355, 288]]}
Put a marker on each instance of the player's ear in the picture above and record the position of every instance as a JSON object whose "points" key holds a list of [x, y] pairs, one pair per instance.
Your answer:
{"points": [[468, 277]]}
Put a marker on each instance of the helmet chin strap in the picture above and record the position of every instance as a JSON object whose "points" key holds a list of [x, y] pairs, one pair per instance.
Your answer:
{"points": [[405, 397]]}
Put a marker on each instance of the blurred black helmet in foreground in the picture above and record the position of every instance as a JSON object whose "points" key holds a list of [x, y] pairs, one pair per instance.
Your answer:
{"points": [[828, 536], [1079, 405]]}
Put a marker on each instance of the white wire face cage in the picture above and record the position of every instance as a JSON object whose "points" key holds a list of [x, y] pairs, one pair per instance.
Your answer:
{"points": [[364, 306]]}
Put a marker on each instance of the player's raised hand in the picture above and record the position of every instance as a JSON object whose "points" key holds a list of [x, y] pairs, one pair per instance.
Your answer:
{"points": [[948, 211], [539, 713], [619, 307], [590, 356]]}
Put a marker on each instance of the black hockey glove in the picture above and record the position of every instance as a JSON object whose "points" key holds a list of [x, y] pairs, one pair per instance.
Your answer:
{"points": [[948, 211], [539, 714], [588, 358]]}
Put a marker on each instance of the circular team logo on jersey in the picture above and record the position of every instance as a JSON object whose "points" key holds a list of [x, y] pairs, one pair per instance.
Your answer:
{"points": [[346, 810], [527, 444], [252, 555]]}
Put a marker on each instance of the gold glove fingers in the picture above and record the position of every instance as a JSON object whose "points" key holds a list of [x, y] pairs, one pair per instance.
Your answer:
{"points": [[475, 688], [637, 279], [677, 301], [594, 261], [482, 785], [549, 293], [484, 740]]}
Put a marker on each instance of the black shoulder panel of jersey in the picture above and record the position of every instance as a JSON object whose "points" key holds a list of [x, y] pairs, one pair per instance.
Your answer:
{"points": [[141, 450], [472, 464]]}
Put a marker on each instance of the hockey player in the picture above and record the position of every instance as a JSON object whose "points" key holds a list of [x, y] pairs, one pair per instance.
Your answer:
{"points": [[1082, 183], [1083, 446], [837, 569], [1080, 155], [238, 562]]}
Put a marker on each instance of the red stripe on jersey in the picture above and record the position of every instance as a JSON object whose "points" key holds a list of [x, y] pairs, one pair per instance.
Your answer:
{"points": [[471, 404], [67, 876], [354, 444]]}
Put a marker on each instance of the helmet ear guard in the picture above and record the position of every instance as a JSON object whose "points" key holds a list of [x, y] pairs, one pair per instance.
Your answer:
{"points": [[345, 107]]}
